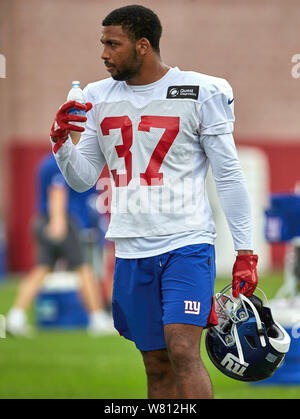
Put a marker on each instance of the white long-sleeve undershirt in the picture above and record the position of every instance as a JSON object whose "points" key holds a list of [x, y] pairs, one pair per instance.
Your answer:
{"points": [[231, 187]]}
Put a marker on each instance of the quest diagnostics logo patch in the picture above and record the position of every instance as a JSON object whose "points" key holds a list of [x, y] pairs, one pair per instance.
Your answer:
{"points": [[183, 92]]}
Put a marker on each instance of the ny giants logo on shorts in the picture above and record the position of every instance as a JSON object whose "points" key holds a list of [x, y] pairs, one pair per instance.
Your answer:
{"points": [[192, 307]]}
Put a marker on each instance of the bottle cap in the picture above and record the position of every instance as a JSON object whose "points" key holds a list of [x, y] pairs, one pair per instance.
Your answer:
{"points": [[75, 83]]}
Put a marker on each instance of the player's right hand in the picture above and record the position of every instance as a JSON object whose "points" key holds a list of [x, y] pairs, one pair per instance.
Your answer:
{"points": [[62, 126]]}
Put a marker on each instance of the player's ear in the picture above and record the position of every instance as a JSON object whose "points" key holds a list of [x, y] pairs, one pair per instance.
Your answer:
{"points": [[142, 46]]}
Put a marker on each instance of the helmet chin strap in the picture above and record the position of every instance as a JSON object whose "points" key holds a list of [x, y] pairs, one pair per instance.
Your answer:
{"points": [[238, 345]]}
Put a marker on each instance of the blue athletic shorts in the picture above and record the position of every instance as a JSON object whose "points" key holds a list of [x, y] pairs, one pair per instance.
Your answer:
{"points": [[175, 287]]}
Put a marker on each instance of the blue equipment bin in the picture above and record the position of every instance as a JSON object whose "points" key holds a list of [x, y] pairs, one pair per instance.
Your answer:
{"points": [[283, 218], [60, 310]]}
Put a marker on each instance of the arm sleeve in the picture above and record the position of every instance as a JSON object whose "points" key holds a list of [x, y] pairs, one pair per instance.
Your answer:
{"points": [[81, 165], [231, 187], [217, 113]]}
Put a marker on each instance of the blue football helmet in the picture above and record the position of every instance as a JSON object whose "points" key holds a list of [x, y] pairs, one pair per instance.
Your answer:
{"points": [[247, 344]]}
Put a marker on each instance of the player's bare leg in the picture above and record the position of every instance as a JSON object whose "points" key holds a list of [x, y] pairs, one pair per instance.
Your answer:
{"points": [[160, 375], [100, 322], [16, 318], [183, 344], [88, 288], [30, 286]]}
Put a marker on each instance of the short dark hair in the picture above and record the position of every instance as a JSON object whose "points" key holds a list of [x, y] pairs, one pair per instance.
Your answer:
{"points": [[139, 22]]}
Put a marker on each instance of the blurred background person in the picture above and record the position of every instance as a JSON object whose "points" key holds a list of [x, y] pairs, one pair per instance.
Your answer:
{"points": [[63, 231]]}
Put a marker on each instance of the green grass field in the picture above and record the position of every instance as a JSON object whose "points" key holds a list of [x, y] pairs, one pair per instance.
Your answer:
{"points": [[72, 365]]}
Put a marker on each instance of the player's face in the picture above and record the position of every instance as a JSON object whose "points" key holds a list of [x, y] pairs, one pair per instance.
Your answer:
{"points": [[119, 53]]}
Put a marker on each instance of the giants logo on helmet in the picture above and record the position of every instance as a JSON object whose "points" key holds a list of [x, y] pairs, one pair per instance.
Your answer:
{"points": [[232, 364]]}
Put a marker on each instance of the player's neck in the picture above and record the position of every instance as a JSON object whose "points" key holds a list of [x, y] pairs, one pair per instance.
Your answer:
{"points": [[150, 72]]}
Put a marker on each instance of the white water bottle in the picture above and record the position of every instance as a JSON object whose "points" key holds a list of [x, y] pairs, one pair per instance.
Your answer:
{"points": [[76, 94]]}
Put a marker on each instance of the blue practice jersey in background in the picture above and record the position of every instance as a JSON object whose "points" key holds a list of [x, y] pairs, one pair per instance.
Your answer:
{"points": [[79, 204]]}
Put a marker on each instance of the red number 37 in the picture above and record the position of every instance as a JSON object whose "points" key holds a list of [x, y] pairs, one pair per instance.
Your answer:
{"points": [[151, 176]]}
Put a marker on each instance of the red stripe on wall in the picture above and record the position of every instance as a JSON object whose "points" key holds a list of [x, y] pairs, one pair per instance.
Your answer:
{"points": [[23, 158]]}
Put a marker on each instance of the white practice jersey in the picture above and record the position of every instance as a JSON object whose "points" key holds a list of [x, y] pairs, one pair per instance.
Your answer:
{"points": [[158, 141]]}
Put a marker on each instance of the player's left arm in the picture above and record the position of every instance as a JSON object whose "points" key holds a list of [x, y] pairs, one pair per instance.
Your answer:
{"points": [[58, 224], [217, 118], [234, 198], [57, 209]]}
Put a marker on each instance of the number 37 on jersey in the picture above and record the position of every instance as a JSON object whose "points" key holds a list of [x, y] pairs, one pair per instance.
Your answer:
{"points": [[169, 127]]}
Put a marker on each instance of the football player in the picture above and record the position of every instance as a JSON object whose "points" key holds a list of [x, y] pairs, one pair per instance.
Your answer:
{"points": [[158, 128], [64, 232]]}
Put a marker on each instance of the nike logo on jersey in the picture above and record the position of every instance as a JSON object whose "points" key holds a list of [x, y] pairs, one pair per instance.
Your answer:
{"points": [[230, 101], [183, 92]]}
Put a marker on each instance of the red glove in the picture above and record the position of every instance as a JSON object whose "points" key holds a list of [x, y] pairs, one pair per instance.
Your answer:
{"points": [[244, 275], [61, 128]]}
